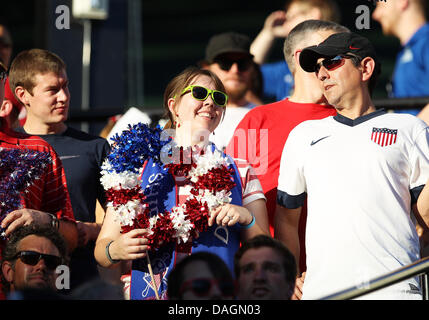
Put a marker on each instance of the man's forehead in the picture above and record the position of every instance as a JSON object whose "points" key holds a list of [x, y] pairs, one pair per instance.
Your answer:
{"points": [[260, 254], [51, 75]]}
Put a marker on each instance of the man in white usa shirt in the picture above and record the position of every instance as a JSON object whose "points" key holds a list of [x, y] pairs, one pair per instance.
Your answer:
{"points": [[364, 171]]}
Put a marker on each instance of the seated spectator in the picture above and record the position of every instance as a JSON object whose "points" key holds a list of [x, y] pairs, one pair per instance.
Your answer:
{"points": [[31, 257], [201, 276], [265, 270]]}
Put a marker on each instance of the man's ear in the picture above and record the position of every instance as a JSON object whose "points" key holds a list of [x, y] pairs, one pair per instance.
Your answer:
{"points": [[368, 67], [8, 271], [21, 94], [6, 108]]}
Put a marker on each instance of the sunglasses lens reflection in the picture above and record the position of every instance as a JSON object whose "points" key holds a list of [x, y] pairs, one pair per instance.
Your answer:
{"points": [[199, 93], [32, 258], [219, 98]]}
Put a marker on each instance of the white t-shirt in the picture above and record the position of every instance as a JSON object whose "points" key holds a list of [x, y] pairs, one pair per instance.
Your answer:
{"points": [[358, 175], [224, 131]]}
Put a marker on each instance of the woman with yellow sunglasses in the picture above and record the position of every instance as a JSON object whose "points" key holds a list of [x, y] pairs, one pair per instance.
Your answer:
{"points": [[173, 193]]}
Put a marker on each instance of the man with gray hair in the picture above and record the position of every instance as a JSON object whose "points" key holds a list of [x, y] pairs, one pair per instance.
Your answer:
{"points": [[273, 122]]}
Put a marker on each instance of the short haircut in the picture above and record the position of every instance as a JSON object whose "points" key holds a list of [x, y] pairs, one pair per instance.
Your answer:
{"points": [[301, 32], [48, 232], [328, 8], [11, 249], [262, 241], [217, 267], [29, 63]]}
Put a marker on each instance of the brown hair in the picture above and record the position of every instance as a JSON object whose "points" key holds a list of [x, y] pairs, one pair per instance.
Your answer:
{"points": [[180, 82], [27, 64]]}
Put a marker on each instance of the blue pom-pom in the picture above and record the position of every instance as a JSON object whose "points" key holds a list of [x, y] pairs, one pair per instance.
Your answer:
{"points": [[134, 146]]}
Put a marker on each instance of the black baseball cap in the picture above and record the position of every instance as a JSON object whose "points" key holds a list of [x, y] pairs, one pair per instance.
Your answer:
{"points": [[334, 45], [227, 42]]}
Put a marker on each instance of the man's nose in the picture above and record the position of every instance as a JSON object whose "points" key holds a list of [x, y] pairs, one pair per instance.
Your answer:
{"points": [[322, 74]]}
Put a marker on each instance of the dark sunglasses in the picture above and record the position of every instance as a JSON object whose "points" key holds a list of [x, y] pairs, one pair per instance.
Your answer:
{"points": [[226, 64], [200, 93], [32, 258], [201, 287], [332, 63]]}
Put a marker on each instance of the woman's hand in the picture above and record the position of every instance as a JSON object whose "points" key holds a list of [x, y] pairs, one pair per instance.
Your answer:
{"points": [[129, 246], [229, 215]]}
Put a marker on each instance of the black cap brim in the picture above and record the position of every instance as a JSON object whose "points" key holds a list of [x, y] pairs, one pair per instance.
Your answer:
{"points": [[309, 56]]}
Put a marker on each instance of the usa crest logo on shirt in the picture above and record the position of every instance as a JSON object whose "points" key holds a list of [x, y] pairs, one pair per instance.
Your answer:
{"points": [[384, 136]]}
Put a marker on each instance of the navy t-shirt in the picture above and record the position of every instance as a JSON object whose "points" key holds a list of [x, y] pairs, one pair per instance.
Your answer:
{"points": [[82, 155]]}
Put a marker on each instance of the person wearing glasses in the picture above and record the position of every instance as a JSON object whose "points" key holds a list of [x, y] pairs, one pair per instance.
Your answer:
{"points": [[228, 56], [201, 276], [31, 257], [195, 101], [265, 270], [39, 80], [364, 171], [266, 128], [42, 199]]}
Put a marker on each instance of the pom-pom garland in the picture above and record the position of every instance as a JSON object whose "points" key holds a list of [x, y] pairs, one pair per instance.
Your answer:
{"points": [[19, 168], [207, 171]]}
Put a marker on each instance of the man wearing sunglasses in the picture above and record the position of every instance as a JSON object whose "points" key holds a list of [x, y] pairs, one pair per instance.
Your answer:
{"points": [[31, 257], [228, 56], [46, 201], [364, 171], [201, 276]]}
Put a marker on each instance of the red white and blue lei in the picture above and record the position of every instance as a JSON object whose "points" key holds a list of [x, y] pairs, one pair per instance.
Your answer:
{"points": [[210, 184]]}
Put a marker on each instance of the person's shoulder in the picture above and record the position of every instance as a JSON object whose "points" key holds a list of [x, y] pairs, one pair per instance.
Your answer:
{"points": [[267, 109], [84, 136], [403, 122], [308, 128], [29, 140]]}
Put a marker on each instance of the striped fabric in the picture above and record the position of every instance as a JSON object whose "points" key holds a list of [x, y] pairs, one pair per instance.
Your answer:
{"points": [[49, 193]]}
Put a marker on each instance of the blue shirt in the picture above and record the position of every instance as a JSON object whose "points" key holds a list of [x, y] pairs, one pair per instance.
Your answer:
{"points": [[411, 74], [277, 80]]}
